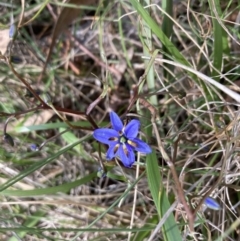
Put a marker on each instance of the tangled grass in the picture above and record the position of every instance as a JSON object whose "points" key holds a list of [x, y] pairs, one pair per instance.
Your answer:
{"points": [[171, 64]]}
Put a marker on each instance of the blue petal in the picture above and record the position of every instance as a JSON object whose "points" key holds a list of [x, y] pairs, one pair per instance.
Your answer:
{"points": [[212, 203], [34, 147], [140, 146], [12, 30], [104, 135], [128, 159], [116, 121], [111, 152], [132, 129]]}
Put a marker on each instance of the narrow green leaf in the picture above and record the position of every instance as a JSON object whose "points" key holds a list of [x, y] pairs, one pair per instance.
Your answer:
{"points": [[154, 179], [170, 227], [30, 222], [47, 126], [70, 138], [159, 33], [37, 166], [143, 234], [64, 188], [217, 43], [167, 28]]}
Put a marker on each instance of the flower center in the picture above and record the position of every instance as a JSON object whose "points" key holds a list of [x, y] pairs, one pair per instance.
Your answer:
{"points": [[122, 139]]}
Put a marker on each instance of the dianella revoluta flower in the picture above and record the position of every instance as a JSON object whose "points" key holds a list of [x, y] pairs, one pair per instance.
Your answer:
{"points": [[122, 140], [212, 203]]}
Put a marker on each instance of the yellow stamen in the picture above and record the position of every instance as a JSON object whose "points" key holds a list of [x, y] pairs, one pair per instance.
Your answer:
{"points": [[125, 150], [116, 148], [131, 143]]}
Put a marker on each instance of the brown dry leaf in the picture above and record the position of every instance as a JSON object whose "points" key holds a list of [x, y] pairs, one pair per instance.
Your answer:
{"points": [[66, 16], [35, 119], [4, 41]]}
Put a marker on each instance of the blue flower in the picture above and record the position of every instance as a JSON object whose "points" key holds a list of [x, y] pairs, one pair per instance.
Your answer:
{"points": [[212, 203], [34, 147], [122, 140]]}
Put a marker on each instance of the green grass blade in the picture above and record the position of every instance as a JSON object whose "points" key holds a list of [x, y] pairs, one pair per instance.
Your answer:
{"points": [[170, 227], [146, 38], [125, 193], [31, 221], [167, 28], [154, 179], [217, 43], [70, 138], [143, 234], [37, 165], [159, 33], [64, 188]]}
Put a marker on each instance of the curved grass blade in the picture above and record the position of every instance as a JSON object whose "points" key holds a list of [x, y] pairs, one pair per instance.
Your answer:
{"points": [[159, 33]]}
